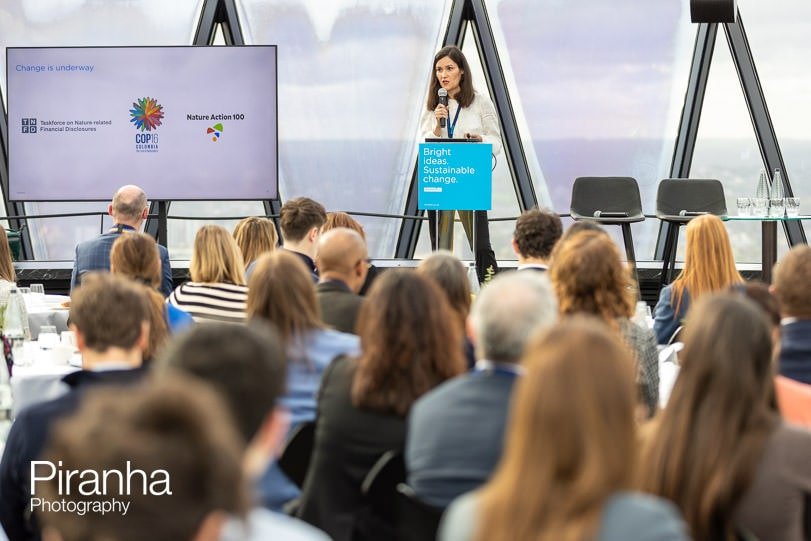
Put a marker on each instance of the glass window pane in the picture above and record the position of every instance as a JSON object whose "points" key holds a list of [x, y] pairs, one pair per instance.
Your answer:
{"points": [[778, 38], [505, 200], [352, 81], [90, 22], [597, 89], [727, 149]]}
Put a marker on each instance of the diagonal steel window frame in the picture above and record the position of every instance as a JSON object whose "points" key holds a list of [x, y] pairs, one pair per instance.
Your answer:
{"points": [[475, 12]]}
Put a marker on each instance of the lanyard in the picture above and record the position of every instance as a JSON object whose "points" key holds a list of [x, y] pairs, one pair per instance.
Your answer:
{"points": [[452, 125], [505, 369]]}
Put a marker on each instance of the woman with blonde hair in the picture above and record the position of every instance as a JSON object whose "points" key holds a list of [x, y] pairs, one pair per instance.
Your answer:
{"points": [[135, 256], [255, 236], [590, 277], [569, 453], [720, 450], [282, 294], [7, 273], [709, 266], [217, 291]]}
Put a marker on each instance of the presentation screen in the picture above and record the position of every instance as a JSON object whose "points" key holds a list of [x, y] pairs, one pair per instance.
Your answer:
{"points": [[183, 123]]}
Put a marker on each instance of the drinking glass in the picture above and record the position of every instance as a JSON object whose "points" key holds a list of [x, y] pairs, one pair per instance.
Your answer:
{"points": [[37, 289], [48, 337], [777, 208], [792, 206], [24, 290], [760, 206], [744, 206]]}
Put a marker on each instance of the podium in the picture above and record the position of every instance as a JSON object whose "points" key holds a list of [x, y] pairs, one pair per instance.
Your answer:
{"points": [[454, 175]]}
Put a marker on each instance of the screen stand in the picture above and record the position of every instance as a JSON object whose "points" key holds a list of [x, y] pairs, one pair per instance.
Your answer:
{"points": [[163, 214]]}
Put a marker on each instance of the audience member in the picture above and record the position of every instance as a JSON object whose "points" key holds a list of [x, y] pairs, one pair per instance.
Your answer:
{"points": [[255, 235], [7, 273], [282, 293], [709, 266], [177, 433], [110, 317], [410, 345], [589, 277], [720, 450], [300, 220], [793, 398], [246, 366], [135, 256], [128, 209], [569, 452], [792, 277], [456, 431], [450, 275], [342, 219], [217, 291], [535, 235], [342, 267]]}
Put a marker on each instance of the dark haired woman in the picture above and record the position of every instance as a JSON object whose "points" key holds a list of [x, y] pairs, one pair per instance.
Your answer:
{"points": [[720, 451], [468, 115], [410, 344]]}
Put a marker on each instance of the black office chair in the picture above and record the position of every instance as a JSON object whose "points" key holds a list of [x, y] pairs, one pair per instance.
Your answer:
{"points": [[295, 458], [609, 201], [678, 201], [416, 519], [377, 519]]}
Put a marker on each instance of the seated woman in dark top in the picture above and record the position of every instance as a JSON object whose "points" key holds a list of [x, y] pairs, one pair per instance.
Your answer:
{"points": [[410, 344], [720, 450], [450, 275]]}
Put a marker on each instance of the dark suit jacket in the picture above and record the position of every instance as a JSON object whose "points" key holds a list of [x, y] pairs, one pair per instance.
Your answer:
{"points": [[94, 255], [348, 442], [795, 351], [455, 435], [26, 441], [339, 305]]}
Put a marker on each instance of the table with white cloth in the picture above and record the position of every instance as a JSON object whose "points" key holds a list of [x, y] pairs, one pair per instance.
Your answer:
{"points": [[41, 380], [46, 310]]}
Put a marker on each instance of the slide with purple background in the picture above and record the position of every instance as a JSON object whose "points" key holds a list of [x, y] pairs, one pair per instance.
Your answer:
{"points": [[182, 122]]}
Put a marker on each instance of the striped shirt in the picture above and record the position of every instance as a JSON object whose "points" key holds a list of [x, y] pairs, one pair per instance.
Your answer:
{"points": [[211, 302]]}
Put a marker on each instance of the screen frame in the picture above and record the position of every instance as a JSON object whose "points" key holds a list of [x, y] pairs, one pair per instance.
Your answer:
{"points": [[80, 199]]}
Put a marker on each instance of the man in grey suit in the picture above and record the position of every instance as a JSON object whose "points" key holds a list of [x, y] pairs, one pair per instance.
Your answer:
{"points": [[342, 266], [455, 432], [129, 210]]}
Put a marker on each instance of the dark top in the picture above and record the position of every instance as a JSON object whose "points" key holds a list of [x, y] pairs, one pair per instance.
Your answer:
{"points": [[371, 274], [665, 317], [308, 261], [94, 254], [26, 441], [339, 305], [795, 351], [455, 435], [348, 442]]}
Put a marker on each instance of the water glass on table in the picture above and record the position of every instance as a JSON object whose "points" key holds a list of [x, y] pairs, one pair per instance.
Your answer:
{"points": [[38, 289], [760, 206], [777, 208], [48, 337], [744, 206], [792, 206]]}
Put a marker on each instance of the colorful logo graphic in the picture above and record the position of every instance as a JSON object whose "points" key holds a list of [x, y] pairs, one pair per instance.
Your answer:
{"points": [[216, 129], [146, 114]]}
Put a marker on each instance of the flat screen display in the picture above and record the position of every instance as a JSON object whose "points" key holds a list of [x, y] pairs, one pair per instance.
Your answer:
{"points": [[184, 123]]}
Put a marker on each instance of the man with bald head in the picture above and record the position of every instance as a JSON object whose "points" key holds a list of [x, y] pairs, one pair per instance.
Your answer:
{"points": [[342, 266], [128, 209]]}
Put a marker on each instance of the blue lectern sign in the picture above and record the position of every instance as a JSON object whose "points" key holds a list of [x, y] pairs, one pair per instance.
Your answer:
{"points": [[455, 176]]}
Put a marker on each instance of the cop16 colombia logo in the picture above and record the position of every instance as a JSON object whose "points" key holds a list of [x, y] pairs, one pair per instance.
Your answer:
{"points": [[146, 115]]}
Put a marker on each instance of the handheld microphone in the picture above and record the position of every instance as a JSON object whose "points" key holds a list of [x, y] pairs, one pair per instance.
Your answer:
{"points": [[443, 99]]}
